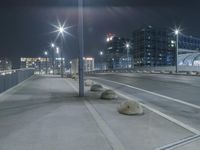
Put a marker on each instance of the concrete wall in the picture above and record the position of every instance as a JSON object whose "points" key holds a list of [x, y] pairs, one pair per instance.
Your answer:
{"points": [[11, 78]]}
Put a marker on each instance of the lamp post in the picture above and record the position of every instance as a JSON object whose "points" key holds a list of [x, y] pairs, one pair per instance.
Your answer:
{"points": [[101, 55], [53, 62], [177, 31], [46, 53], [127, 53], [81, 48]]}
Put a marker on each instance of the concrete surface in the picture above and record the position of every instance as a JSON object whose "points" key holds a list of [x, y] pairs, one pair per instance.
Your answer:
{"points": [[46, 114]]}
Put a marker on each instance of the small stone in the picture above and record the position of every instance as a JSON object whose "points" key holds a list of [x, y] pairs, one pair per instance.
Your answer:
{"points": [[96, 87], [89, 82], [108, 94], [130, 108]]}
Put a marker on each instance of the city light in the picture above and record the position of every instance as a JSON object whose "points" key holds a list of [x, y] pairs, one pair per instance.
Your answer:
{"points": [[52, 45], [57, 50], [127, 45], [62, 29], [177, 31], [45, 53], [101, 53]]}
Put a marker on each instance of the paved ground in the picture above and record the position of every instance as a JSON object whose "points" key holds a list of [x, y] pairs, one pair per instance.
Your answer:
{"points": [[45, 113], [181, 88]]}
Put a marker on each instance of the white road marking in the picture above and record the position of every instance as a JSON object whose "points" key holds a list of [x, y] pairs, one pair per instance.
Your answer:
{"points": [[179, 143], [153, 93], [111, 137], [179, 123]]}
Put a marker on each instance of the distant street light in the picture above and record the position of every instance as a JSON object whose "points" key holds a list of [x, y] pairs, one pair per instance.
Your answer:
{"points": [[177, 32], [61, 29], [46, 54], [101, 57], [53, 62], [127, 45], [57, 50]]}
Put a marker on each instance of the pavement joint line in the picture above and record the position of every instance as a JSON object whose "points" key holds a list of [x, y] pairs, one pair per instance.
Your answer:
{"points": [[14, 88], [153, 93], [177, 122], [108, 133], [179, 143]]}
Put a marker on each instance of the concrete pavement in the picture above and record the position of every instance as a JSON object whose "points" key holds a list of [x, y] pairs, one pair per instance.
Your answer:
{"points": [[45, 113]]}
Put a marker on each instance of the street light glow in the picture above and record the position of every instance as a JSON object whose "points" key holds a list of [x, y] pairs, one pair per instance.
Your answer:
{"points": [[52, 45], [177, 31], [62, 29], [127, 45], [45, 53], [101, 53], [57, 50]]}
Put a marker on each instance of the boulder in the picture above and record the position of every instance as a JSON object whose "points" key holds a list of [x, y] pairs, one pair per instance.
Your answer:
{"points": [[108, 94], [96, 88], [75, 77], [130, 108], [89, 82]]}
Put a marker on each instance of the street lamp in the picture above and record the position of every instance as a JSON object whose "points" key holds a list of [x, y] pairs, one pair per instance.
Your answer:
{"points": [[101, 55], [57, 50], [177, 32], [61, 30], [127, 45], [53, 62], [46, 53]]}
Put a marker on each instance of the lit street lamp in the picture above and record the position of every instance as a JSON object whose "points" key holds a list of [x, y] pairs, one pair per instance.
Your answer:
{"points": [[53, 62], [101, 56], [127, 52], [177, 31], [46, 54]]}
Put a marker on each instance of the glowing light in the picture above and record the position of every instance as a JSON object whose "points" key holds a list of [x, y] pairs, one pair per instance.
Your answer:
{"points": [[101, 53], [57, 50], [62, 29], [176, 31], [45, 53], [52, 45]]}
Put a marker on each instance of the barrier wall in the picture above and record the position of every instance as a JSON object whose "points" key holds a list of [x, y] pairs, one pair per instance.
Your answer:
{"points": [[10, 78]]}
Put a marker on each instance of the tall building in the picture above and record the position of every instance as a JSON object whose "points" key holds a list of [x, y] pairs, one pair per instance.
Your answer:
{"points": [[117, 55], [5, 64], [154, 47]]}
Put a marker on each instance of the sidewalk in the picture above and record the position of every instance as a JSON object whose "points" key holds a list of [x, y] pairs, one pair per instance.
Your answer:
{"points": [[46, 114]]}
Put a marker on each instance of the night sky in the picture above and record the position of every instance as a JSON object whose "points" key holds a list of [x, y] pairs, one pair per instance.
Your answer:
{"points": [[26, 30]]}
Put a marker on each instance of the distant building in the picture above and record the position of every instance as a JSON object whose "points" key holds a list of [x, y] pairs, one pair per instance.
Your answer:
{"points": [[40, 64], [88, 65], [5, 64], [154, 47], [116, 54]]}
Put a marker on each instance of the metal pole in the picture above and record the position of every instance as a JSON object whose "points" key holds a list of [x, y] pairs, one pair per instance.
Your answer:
{"points": [[46, 64], [176, 53], [127, 58], [61, 51], [53, 60], [81, 47]]}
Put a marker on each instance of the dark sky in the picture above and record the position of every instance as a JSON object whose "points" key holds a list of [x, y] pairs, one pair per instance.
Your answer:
{"points": [[25, 25]]}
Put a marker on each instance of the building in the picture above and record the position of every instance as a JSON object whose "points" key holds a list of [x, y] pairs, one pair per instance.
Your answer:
{"points": [[154, 47], [41, 65], [88, 65], [5, 64], [117, 54]]}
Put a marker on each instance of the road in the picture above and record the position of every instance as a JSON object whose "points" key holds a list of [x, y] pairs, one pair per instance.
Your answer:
{"points": [[176, 96]]}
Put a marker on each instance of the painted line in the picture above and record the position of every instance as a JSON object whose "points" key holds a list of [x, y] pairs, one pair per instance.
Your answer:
{"points": [[177, 122], [153, 93], [179, 143], [111, 137]]}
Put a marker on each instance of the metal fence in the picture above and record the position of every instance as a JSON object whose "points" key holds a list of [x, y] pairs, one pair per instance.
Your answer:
{"points": [[10, 78]]}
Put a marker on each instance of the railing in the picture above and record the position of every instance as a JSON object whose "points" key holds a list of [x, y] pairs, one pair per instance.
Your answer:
{"points": [[10, 78], [146, 70]]}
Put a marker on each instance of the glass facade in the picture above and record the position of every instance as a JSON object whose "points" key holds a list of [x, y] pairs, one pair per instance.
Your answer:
{"points": [[117, 53], [153, 47]]}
